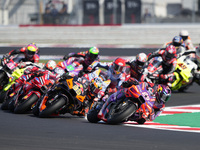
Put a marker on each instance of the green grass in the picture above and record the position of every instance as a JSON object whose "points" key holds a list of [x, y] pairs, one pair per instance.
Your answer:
{"points": [[185, 119]]}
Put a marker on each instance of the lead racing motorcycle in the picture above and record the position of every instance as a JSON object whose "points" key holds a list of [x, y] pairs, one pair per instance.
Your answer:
{"points": [[122, 104]]}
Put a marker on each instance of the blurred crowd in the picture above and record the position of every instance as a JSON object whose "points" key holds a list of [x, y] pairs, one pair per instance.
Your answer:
{"points": [[53, 15]]}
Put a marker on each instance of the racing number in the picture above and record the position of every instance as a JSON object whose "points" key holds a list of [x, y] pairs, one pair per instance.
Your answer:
{"points": [[76, 88], [182, 66], [146, 95]]}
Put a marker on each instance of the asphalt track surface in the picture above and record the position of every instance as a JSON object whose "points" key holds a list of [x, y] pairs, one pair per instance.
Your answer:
{"points": [[66, 132]]}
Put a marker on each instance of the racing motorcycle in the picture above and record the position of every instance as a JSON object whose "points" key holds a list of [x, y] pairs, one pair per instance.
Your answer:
{"points": [[17, 73], [66, 96], [29, 93], [184, 73], [13, 91], [117, 109]]}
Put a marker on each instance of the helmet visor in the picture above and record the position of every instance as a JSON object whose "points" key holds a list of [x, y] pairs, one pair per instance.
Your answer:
{"points": [[118, 69], [176, 44], [30, 54], [184, 38], [93, 56], [169, 56], [164, 97], [140, 64]]}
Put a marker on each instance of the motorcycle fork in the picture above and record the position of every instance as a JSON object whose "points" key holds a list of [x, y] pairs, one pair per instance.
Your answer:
{"points": [[42, 105]]}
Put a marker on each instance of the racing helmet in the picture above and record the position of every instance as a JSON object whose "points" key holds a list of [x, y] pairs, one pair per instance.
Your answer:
{"points": [[50, 65], [170, 53], [184, 34], [141, 59], [31, 49], [163, 93], [118, 65], [177, 41], [93, 53]]}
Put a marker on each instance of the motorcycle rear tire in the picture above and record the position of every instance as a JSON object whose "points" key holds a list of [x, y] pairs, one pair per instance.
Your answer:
{"points": [[92, 116], [26, 105], [49, 110], [119, 116]]}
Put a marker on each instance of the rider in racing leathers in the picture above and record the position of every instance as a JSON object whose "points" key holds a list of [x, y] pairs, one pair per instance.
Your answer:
{"points": [[86, 58], [186, 39], [31, 53], [168, 64], [115, 72], [137, 66]]}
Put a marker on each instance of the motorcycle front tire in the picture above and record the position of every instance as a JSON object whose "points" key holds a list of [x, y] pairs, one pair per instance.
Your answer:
{"points": [[117, 115], [4, 79], [2, 96], [53, 108], [26, 105], [92, 116], [5, 104]]}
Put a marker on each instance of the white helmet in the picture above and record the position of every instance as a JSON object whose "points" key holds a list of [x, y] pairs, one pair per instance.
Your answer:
{"points": [[141, 59], [184, 34]]}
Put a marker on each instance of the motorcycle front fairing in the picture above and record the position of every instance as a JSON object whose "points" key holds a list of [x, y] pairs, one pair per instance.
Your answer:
{"points": [[184, 72]]}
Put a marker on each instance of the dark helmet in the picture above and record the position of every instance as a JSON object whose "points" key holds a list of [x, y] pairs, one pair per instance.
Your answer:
{"points": [[177, 41], [93, 53], [141, 59], [119, 65], [163, 93], [170, 53]]}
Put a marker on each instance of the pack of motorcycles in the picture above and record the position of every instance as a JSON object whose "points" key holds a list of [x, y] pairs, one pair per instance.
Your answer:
{"points": [[76, 95]]}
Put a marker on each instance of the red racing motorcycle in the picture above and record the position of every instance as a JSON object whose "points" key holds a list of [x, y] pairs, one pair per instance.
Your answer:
{"points": [[29, 93]]}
